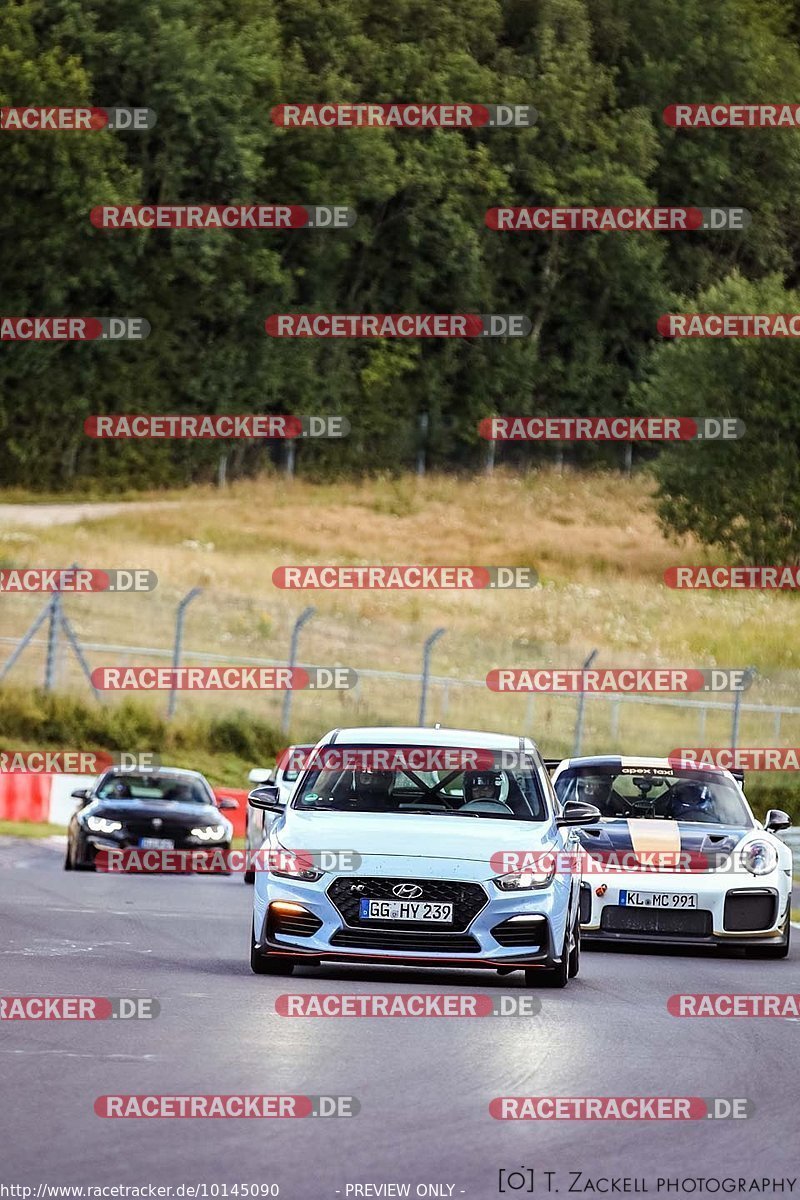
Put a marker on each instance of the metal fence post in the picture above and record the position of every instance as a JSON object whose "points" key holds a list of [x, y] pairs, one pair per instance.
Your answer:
{"points": [[581, 707], [426, 667], [305, 615], [52, 642], [172, 703]]}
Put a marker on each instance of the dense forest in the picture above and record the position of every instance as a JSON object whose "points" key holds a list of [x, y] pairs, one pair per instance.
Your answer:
{"points": [[599, 73]]}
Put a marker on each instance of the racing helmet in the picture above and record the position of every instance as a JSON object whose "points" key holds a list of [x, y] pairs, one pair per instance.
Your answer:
{"points": [[483, 785], [592, 789], [373, 783], [690, 798]]}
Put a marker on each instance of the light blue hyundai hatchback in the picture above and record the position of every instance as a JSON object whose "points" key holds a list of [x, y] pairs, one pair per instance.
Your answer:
{"points": [[418, 847]]}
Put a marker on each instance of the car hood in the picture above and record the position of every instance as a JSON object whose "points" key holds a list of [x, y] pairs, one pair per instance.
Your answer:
{"points": [[411, 835], [634, 841], [167, 810]]}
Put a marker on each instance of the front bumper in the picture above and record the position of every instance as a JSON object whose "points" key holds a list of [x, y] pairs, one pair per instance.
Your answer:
{"points": [[732, 909], [94, 846], [332, 936]]}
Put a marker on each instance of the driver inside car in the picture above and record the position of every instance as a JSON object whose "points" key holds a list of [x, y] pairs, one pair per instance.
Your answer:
{"points": [[374, 790], [119, 790], [691, 802], [487, 787], [599, 790]]}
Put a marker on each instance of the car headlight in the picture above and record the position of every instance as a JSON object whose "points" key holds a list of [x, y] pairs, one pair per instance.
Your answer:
{"points": [[103, 825], [759, 857], [286, 865], [209, 833], [525, 881]]}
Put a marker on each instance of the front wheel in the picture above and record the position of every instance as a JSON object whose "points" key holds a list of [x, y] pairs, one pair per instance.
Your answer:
{"points": [[269, 964], [249, 876], [68, 859], [575, 952], [559, 975]]}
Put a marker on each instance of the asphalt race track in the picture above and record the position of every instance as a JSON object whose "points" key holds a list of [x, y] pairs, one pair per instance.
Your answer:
{"points": [[424, 1084]]}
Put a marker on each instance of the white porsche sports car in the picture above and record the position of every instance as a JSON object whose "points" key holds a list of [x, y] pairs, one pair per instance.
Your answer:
{"points": [[678, 857]]}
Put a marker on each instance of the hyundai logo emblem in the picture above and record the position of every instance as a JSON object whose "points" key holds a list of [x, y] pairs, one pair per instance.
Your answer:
{"points": [[407, 891], [157, 822]]}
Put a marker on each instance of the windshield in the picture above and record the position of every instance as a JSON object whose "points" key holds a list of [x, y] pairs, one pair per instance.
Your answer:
{"points": [[152, 788], [655, 793], [423, 779], [292, 764]]}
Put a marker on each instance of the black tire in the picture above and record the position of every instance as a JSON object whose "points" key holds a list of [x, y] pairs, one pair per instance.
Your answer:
{"points": [[574, 964], [77, 865], [249, 877], [557, 976], [73, 863], [779, 951], [269, 964]]}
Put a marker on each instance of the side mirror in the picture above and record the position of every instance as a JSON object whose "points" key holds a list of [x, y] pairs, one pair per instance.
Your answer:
{"points": [[266, 797], [260, 775], [227, 804], [80, 794], [777, 819], [577, 813]]}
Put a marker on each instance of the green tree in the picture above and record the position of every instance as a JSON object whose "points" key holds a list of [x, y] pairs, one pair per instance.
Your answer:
{"points": [[743, 496]]}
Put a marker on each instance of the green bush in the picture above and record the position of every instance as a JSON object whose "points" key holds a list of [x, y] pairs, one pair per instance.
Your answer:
{"points": [[224, 748]]}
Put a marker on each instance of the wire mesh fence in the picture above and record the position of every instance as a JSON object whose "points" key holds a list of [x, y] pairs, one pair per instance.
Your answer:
{"points": [[56, 643]]}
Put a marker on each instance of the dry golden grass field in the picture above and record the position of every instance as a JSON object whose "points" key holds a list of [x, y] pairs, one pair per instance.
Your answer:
{"points": [[593, 539]]}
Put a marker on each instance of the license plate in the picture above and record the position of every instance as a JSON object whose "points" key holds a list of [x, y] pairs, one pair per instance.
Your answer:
{"points": [[658, 899], [404, 910], [156, 844]]}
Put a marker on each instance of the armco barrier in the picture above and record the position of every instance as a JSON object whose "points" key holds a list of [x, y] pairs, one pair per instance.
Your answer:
{"points": [[36, 798]]}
